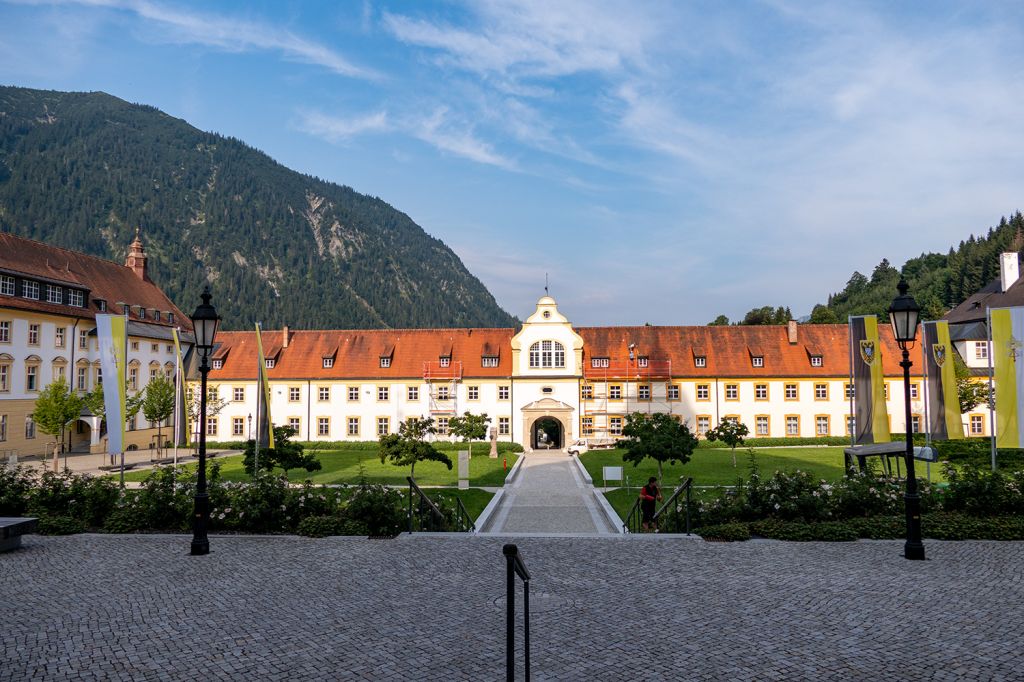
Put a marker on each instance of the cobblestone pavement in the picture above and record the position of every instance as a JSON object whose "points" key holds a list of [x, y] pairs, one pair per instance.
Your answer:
{"points": [[548, 496], [430, 608]]}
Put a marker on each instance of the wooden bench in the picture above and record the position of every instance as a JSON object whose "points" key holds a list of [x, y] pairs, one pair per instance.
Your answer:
{"points": [[11, 530]]}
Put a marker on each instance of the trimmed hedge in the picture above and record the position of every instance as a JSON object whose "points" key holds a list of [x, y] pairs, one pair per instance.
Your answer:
{"points": [[776, 442], [726, 532]]}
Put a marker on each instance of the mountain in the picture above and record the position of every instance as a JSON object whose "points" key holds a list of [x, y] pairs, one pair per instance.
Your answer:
{"points": [[83, 170], [937, 282]]}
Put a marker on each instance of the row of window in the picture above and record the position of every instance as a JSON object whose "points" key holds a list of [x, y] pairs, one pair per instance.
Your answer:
{"points": [[762, 423], [702, 392], [32, 289], [33, 338], [81, 375], [412, 393], [352, 426], [698, 361]]}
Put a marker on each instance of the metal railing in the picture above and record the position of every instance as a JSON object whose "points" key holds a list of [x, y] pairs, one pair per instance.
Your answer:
{"points": [[634, 519], [424, 511], [673, 506], [514, 566], [426, 516]]}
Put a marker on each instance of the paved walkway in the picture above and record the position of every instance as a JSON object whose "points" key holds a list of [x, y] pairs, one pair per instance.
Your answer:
{"points": [[549, 496], [429, 608]]}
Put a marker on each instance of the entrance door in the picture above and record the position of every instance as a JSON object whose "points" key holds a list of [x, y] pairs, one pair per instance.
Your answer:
{"points": [[547, 434]]}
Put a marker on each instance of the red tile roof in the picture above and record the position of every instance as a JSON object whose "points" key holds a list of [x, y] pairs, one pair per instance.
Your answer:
{"points": [[104, 279], [727, 349], [359, 353]]}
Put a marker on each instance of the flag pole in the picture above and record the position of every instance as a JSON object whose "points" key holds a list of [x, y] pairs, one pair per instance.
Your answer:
{"points": [[122, 386], [991, 388], [259, 403]]}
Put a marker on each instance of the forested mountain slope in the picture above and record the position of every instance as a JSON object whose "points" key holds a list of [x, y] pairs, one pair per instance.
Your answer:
{"points": [[83, 170]]}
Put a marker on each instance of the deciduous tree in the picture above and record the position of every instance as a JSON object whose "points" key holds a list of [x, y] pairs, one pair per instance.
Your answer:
{"points": [[409, 445], [731, 432], [658, 436]]}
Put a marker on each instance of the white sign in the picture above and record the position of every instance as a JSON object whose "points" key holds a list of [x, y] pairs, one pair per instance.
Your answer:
{"points": [[612, 473], [463, 469]]}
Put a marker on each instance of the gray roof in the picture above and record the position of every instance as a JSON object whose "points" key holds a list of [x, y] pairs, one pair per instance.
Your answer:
{"points": [[990, 296]]}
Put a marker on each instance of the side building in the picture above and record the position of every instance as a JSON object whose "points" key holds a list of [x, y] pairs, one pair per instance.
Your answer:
{"points": [[49, 299], [549, 383]]}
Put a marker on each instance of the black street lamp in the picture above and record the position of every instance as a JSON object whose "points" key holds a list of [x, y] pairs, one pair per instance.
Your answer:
{"points": [[250, 426], [204, 322], [903, 315]]}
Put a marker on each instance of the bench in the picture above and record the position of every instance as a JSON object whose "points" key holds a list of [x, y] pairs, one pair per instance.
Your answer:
{"points": [[11, 530]]}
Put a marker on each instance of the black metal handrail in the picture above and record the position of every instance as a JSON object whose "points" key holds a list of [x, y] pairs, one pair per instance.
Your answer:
{"points": [[514, 566], [632, 522], [435, 519], [462, 517], [686, 486]]}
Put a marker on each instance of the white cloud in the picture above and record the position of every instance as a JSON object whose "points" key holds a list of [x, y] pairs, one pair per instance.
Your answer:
{"points": [[228, 33], [337, 129]]}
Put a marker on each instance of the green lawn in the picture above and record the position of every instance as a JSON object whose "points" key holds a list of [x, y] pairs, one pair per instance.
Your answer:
{"points": [[473, 499], [347, 466], [713, 466]]}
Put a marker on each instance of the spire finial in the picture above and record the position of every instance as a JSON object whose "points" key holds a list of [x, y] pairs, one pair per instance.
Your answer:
{"points": [[546, 293]]}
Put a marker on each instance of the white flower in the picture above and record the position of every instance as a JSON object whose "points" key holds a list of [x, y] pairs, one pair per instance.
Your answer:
{"points": [[221, 515], [776, 505], [283, 507]]}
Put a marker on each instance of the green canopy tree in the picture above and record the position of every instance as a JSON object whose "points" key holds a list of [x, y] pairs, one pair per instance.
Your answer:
{"points": [[731, 432], [93, 400], [56, 407], [970, 391], [822, 314], [285, 454], [158, 404], [409, 445], [658, 436], [469, 427]]}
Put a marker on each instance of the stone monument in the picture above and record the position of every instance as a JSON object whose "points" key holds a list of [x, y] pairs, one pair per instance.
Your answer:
{"points": [[494, 443]]}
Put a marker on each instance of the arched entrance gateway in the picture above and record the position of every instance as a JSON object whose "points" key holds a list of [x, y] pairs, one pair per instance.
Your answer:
{"points": [[547, 434], [547, 424]]}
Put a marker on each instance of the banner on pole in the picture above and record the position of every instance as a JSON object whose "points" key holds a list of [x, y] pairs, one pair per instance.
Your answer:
{"points": [[1007, 327], [181, 407], [112, 333], [871, 420], [944, 419], [264, 429]]}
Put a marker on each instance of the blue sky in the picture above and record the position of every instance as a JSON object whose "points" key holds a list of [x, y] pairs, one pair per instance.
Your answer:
{"points": [[664, 162]]}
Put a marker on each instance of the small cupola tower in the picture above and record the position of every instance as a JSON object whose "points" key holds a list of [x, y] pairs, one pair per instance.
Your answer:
{"points": [[137, 258]]}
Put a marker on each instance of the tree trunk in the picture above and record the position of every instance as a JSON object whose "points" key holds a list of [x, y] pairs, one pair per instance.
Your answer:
{"points": [[660, 474], [159, 439], [734, 457]]}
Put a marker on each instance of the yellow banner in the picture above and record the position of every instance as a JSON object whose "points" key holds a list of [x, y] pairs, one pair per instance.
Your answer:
{"points": [[879, 413], [1007, 326]]}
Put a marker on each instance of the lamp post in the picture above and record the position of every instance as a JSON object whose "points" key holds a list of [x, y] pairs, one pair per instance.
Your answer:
{"points": [[204, 322], [903, 315], [250, 426]]}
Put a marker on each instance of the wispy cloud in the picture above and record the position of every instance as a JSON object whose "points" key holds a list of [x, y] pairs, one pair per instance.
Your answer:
{"points": [[227, 33], [337, 129]]}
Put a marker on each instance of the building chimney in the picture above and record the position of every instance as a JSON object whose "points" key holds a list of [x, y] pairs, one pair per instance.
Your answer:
{"points": [[1009, 269], [137, 258], [792, 329], [284, 335]]}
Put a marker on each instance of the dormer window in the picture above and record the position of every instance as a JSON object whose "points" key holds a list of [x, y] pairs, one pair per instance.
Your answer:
{"points": [[757, 360], [30, 289], [385, 362], [445, 360], [270, 363], [597, 363], [101, 305], [489, 361], [156, 315], [6, 285], [328, 363], [641, 361], [54, 294], [700, 361], [218, 364], [76, 298], [816, 361]]}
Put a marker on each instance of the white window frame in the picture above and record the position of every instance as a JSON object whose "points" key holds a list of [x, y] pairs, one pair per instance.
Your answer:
{"points": [[503, 392], [816, 361], [412, 393], [328, 363], [5, 331], [599, 363], [385, 362], [758, 422], [757, 361], [54, 294], [76, 298], [30, 289], [6, 285]]}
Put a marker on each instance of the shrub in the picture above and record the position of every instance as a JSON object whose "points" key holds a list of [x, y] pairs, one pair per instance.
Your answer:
{"points": [[946, 526], [86, 498], [320, 526], [15, 489], [260, 506], [879, 527], [829, 531], [126, 518], [60, 525], [729, 532], [377, 508], [165, 501], [976, 491]]}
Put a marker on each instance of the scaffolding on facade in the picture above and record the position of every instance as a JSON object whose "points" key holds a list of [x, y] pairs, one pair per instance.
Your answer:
{"points": [[607, 392], [441, 380]]}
